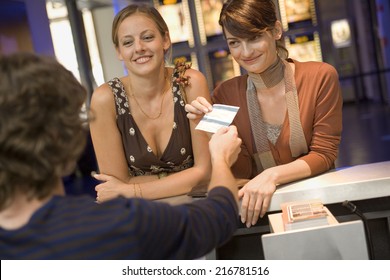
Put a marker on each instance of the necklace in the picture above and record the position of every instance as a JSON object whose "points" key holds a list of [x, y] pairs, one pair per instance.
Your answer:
{"points": [[161, 105]]}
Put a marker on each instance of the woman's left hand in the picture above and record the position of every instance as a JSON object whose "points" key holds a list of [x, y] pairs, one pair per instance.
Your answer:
{"points": [[256, 197], [110, 188]]}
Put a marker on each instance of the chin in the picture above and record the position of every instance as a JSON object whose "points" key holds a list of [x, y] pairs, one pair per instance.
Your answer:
{"points": [[253, 69]]}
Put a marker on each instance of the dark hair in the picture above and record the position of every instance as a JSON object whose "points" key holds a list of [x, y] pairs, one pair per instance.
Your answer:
{"points": [[41, 132], [247, 18]]}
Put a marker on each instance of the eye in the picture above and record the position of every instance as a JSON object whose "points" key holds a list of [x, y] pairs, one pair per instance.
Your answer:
{"points": [[257, 37], [127, 43], [233, 43], [148, 37]]}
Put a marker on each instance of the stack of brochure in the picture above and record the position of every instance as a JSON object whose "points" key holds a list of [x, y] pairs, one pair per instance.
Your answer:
{"points": [[304, 214]]}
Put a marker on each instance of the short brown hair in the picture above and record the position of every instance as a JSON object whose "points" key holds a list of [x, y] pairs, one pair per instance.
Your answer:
{"points": [[41, 132], [247, 18]]}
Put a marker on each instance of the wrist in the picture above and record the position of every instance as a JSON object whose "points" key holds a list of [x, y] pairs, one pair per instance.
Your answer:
{"points": [[137, 191], [219, 160], [273, 175], [219, 163]]}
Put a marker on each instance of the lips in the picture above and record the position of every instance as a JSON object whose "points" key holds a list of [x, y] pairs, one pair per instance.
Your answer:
{"points": [[250, 60], [142, 59]]}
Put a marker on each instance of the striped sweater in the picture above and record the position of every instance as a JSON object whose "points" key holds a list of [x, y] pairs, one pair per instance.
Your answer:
{"points": [[78, 228]]}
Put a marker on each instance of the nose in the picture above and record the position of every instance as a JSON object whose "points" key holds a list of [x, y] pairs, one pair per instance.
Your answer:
{"points": [[247, 49], [139, 45]]}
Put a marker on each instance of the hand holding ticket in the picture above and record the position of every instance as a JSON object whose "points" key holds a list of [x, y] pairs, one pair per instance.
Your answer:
{"points": [[221, 115]]}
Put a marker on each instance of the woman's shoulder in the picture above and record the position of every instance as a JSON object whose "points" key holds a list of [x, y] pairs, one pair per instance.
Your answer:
{"points": [[103, 94], [230, 91], [314, 68], [313, 65], [185, 69], [189, 77], [195, 76], [235, 83]]}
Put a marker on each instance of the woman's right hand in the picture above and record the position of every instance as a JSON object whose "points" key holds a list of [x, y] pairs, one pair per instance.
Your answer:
{"points": [[198, 108], [111, 187]]}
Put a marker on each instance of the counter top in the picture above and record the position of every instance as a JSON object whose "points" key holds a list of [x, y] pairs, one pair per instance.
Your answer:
{"points": [[351, 183]]}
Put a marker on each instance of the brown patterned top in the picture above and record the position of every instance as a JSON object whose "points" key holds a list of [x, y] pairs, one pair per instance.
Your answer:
{"points": [[141, 160]]}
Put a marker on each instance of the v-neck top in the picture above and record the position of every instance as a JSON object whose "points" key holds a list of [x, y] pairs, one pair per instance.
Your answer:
{"points": [[141, 159]]}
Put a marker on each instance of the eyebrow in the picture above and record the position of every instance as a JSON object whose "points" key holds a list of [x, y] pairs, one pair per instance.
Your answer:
{"points": [[142, 33], [126, 37], [148, 30], [231, 38]]}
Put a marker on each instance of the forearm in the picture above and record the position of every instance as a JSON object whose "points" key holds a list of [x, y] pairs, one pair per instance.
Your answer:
{"points": [[287, 173], [222, 176], [174, 184], [112, 161], [319, 162], [142, 179], [205, 224]]}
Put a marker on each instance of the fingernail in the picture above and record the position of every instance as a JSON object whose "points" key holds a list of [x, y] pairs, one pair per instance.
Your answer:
{"points": [[94, 173]]}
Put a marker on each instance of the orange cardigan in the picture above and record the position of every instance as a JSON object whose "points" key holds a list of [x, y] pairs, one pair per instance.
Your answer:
{"points": [[320, 105]]}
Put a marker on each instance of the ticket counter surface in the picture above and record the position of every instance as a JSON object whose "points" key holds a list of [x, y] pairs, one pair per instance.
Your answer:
{"points": [[368, 186]]}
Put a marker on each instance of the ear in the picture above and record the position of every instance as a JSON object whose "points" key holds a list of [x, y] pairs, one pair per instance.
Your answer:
{"points": [[166, 41], [118, 54], [278, 30]]}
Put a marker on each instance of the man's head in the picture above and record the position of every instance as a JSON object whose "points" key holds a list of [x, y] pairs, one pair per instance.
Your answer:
{"points": [[41, 132]]}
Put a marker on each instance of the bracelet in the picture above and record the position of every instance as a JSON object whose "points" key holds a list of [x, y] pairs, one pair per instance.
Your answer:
{"points": [[140, 190], [162, 175], [135, 190]]}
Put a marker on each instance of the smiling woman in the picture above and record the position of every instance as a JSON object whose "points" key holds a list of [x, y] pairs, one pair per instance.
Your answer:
{"points": [[141, 129], [290, 111]]}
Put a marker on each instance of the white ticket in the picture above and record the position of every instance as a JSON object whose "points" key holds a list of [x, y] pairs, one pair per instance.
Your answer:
{"points": [[221, 115]]}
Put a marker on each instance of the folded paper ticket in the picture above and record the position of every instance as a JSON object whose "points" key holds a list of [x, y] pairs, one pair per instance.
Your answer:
{"points": [[220, 116]]}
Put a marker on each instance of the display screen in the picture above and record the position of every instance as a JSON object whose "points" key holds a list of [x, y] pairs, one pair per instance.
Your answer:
{"points": [[174, 15], [297, 13], [304, 47], [341, 33], [222, 66], [297, 10], [211, 10]]}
